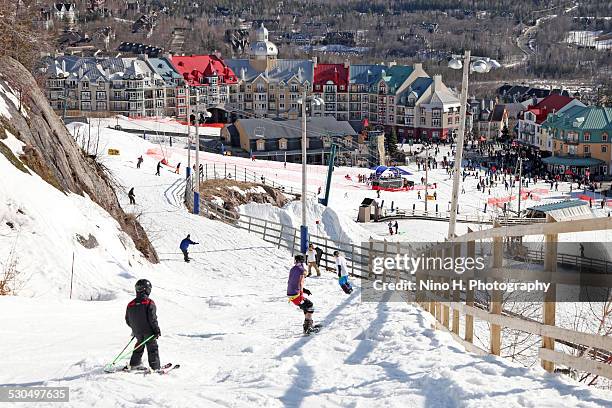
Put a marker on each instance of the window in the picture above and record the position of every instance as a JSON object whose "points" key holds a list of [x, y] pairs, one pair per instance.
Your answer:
{"points": [[604, 149], [587, 136], [85, 105], [450, 120], [457, 119], [100, 95], [586, 149], [422, 111], [435, 122], [85, 85], [604, 137], [86, 95], [422, 120], [261, 145], [294, 88], [435, 113], [282, 144], [101, 106], [281, 106]]}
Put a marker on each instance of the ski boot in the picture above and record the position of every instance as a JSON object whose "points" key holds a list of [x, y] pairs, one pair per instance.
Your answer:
{"points": [[307, 325]]}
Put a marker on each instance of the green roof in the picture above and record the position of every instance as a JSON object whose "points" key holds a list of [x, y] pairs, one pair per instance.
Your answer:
{"points": [[557, 206], [582, 118], [572, 161]]}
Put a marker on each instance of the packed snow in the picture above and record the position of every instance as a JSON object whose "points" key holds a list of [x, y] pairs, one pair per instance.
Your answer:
{"points": [[225, 316]]}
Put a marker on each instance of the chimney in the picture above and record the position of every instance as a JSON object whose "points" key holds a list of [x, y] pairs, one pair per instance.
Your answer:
{"points": [[417, 66], [437, 82], [347, 63]]}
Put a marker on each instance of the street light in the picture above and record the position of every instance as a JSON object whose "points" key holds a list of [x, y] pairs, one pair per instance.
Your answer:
{"points": [[207, 114], [304, 228], [480, 65]]}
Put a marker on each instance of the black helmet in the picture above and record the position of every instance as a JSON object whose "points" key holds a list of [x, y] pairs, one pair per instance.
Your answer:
{"points": [[299, 258], [143, 286]]}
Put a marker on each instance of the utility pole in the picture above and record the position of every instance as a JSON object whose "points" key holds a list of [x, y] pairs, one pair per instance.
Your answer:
{"points": [[196, 193], [520, 183], [426, 174], [459, 153], [304, 227], [188, 172]]}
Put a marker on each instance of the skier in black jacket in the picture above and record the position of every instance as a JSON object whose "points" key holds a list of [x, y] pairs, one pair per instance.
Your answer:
{"points": [[141, 316]]}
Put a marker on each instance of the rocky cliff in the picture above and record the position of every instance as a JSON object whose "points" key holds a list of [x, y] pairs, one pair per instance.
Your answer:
{"points": [[51, 151]]}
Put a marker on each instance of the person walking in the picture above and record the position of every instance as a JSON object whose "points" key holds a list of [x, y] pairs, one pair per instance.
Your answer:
{"points": [[396, 226], [178, 168], [159, 165], [185, 246], [139, 162], [390, 225], [141, 317], [311, 258], [131, 196]]}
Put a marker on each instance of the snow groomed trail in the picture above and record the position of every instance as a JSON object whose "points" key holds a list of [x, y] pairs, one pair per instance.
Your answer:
{"points": [[225, 318]]}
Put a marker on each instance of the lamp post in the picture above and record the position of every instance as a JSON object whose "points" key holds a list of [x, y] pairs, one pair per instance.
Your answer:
{"points": [[196, 190], [481, 66], [188, 172], [304, 227]]}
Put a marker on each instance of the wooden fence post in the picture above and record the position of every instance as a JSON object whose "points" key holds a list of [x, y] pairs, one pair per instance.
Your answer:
{"points": [[469, 296], [496, 296], [353, 259], [397, 269], [456, 255], [549, 312], [384, 277], [280, 235], [446, 252]]}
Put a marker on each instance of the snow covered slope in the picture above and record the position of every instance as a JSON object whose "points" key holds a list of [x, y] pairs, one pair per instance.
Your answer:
{"points": [[225, 318]]}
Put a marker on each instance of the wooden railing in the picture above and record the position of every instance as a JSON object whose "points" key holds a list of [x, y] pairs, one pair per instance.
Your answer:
{"points": [[445, 216], [214, 171], [449, 307]]}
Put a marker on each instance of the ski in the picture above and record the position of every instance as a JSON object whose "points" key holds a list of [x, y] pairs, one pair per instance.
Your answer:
{"points": [[166, 368]]}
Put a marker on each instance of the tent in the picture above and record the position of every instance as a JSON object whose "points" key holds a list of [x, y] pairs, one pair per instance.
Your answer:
{"points": [[395, 170]]}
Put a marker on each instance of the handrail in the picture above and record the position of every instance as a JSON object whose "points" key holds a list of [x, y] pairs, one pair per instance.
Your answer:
{"points": [[247, 175]]}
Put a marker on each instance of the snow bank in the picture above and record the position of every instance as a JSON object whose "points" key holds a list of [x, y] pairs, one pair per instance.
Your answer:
{"points": [[331, 224], [40, 227]]}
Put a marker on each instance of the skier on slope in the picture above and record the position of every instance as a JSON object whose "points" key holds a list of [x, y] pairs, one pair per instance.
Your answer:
{"points": [[342, 273], [141, 317], [296, 291], [185, 246], [132, 196]]}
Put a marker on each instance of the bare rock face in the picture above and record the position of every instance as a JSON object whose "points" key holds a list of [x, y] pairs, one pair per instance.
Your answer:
{"points": [[52, 153]]}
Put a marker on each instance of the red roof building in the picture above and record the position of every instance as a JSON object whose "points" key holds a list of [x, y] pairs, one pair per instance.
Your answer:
{"points": [[550, 104], [338, 74], [198, 70]]}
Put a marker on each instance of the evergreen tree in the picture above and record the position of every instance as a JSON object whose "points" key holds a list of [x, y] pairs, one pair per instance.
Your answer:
{"points": [[391, 144], [505, 134]]}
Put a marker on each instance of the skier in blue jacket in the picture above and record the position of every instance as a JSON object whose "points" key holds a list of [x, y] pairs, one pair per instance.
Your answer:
{"points": [[185, 245]]}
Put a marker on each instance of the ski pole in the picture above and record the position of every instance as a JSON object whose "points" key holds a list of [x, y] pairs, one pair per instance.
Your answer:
{"points": [[124, 355], [120, 353]]}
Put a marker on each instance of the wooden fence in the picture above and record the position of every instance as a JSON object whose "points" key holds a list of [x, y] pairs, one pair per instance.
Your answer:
{"points": [[214, 171], [450, 306]]}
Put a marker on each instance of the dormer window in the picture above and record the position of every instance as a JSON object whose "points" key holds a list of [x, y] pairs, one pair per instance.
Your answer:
{"points": [[261, 144]]}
